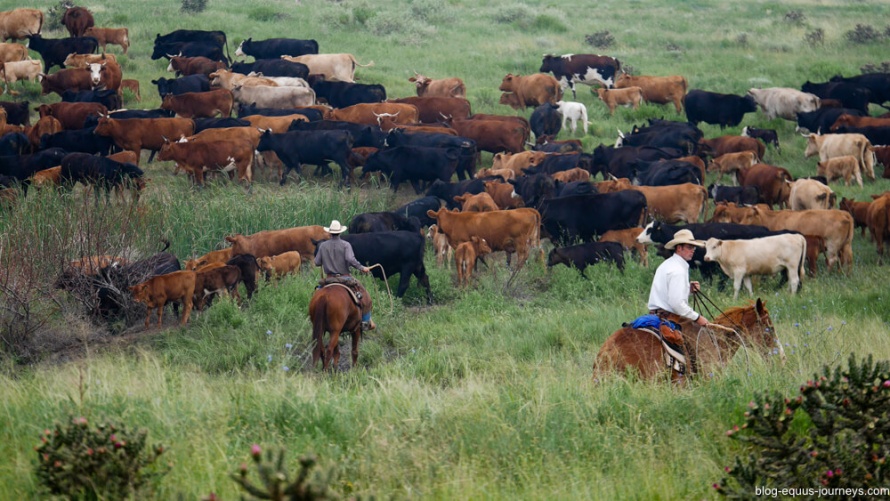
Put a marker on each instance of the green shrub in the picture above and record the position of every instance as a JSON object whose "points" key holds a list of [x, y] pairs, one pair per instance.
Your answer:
{"points": [[275, 482], [53, 17], [600, 39], [194, 6], [833, 434], [105, 462], [796, 17], [863, 34], [815, 37], [266, 14]]}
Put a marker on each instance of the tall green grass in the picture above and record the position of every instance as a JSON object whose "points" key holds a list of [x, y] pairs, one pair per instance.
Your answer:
{"points": [[488, 393]]}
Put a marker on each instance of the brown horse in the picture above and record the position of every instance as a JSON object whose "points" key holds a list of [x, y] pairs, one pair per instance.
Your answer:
{"points": [[333, 310], [629, 348]]}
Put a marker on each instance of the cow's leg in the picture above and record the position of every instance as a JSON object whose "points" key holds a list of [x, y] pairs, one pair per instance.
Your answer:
{"points": [[736, 285], [749, 286], [161, 312], [404, 281]]}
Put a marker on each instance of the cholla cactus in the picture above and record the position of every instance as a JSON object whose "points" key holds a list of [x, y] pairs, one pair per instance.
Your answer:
{"points": [[275, 482]]}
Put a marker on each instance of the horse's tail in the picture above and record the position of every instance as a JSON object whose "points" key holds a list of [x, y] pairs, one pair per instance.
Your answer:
{"points": [[318, 322]]}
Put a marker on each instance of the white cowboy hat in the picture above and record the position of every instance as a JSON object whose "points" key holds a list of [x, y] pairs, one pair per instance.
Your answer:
{"points": [[683, 237], [336, 228]]}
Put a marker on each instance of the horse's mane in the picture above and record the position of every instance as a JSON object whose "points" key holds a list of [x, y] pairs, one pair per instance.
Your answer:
{"points": [[733, 316]]}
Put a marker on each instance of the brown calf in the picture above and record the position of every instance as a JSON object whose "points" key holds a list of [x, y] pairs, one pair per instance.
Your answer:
{"points": [[218, 256], [105, 36], [156, 292], [465, 257], [281, 264], [628, 240], [212, 280], [440, 246], [628, 96]]}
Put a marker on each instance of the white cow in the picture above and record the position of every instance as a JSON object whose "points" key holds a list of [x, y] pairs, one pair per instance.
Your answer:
{"points": [[574, 112], [334, 67], [740, 259], [274, 97], [784, 102], [809, 194]]}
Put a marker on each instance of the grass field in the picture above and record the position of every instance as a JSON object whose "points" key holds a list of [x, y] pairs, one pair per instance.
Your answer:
{"points": [[487, 393]]}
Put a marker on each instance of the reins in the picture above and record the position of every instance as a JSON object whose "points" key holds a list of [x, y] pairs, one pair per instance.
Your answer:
{"points": [[703, 305]]}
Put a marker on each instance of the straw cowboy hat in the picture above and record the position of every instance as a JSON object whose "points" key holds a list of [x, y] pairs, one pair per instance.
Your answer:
{"points": [[336, 228], [682, 237]]}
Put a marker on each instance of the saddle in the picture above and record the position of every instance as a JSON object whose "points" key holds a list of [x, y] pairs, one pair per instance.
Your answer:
{"points": [[671, 338], [347, 283]]}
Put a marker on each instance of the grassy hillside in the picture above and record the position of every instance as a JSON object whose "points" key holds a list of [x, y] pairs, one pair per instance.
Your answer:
{"points": [[488, 392]]}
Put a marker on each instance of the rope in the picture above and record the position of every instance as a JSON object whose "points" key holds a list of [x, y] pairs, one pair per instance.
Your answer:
{"points": [[378, 265]]}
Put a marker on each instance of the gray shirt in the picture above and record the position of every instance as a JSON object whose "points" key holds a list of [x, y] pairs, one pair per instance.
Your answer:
{"points": [[335, 256]]}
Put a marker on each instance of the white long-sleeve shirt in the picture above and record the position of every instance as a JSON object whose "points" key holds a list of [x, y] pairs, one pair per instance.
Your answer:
{"points": [[670, 288]]}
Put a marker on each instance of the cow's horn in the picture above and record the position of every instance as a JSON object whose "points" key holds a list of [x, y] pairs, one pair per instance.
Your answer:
{"points": [[620, 134]]}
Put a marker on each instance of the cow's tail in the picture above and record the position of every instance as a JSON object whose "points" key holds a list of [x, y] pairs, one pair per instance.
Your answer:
{"points": [[356, 63], [801, 265]]}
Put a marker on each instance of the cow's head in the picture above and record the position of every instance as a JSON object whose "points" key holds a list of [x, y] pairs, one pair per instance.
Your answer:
{"points": [[712, 248], [96, 72], [548, 63], [508, 84]]}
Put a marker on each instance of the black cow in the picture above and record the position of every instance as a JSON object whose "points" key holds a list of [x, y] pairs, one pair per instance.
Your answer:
{"points": [[217, 38], [343, 94], [850, 95], [682, 136], [414, 164], [92, 121], [418, 208], [875, 135], [665, 173], [21, 167], [273, 68], [218, 123], [107, 97], [534, 188], [398, 252], [739, 195], [54, 51], [582, 217], [80, 140], [100, 172], [583, 255], [17, 113], [552, 164], [822, 119], [177, 86], [447, 191], [371, 222], [193, 49], [717, 109], [249, 269], [15, 143], [246, 110], [362, 135], [548, 145], [618, 162], [588, 69], [546, 120], [878, 85], [466, 165], [768, 136], [295, 148], [274, 48]]}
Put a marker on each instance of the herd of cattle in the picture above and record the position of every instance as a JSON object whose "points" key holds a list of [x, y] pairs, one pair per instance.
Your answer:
{"points": [[654, 174]]}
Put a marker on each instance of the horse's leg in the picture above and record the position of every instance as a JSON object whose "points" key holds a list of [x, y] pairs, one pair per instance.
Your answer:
{"points": [[356, 336], [331, 348]]}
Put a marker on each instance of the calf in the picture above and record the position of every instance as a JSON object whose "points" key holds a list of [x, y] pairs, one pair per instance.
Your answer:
{"points": [[859, 211], [815, 247], [481, 202], [465, 257], [249, 269], [440, 245], [768, 136], [573, 112], [739, 195], [628, 240], [572, 175], [132, 86], [211, 281], [100, 172], [583, 255], [442, 87], [200, 104], [759, 256], [732, 163], [186, 66], [845, 167], [13, 71], [105, 36], [217, 256], [176, 287], [280, 264], [628, 96]]}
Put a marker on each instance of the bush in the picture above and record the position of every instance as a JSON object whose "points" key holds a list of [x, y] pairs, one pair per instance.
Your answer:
{"points": [[884, 67], [105, 462], [815, 37], [600, 39], [796, 17], [266, 14], [275, 481], [833, 434], [194, 6], [863, 34]]}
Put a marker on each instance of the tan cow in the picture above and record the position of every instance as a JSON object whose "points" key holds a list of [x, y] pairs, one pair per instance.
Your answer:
{"points": [[10, 52], [14, 71], [217, 256], [18, 24], [502, 194], [572, 175], [838, 145], [105, 36], [274, 242], [629, 96], [280, 265], [465, 257], [156, 292], [740, 259], [784, 102], [505, 174], [878, 220], [481, 202], [370, 113], [532, 90], [811, 194], [81, 61], [443, 87], [843, 167], [628, 240], [732, 163], [659, 90], [440, 246], [512, 231], [226, 79], [334, 67], [517, 161], [671, 204]]}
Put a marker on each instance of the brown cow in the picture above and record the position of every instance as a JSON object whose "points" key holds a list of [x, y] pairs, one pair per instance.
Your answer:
{"points": [[72, 116], [11, 52], [505, 174], [770, 181], [659, 90], [493, 136], [671, 204], [105, 36], [106, 74], [502, 194], [628, 96], [432, 109], [843, 167], [84, 60], [465, 256], [217, 256], [46, 125], [134, 134], [518, 161], [90, 265], [156, 292], [132, 86], [532, 90], [517, 230], [274, 242], [846, 120], [280, 265], [837, 145], [481, 202], [200, 104], [882, 156], [18, 24], [47, 177], [732, 163], [440, 246], [369, 113], [878, 220], [441, 87], [859, 211], [199, 65], [75, 79], [628, 240], [212, 280], [196, 157], [277, 125], [815, 247], [76, 20], [571, 175], [722, 145]]}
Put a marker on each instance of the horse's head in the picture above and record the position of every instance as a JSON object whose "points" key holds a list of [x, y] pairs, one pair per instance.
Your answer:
{"points": [[755, 326]]}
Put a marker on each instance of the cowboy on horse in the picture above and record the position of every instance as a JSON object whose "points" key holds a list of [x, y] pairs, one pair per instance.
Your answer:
{"points": [[335, 256], [669, 295]]}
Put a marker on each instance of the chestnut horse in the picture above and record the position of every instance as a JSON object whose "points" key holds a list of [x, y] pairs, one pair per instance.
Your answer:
{"points": [[629, 348], [333, 310]]}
